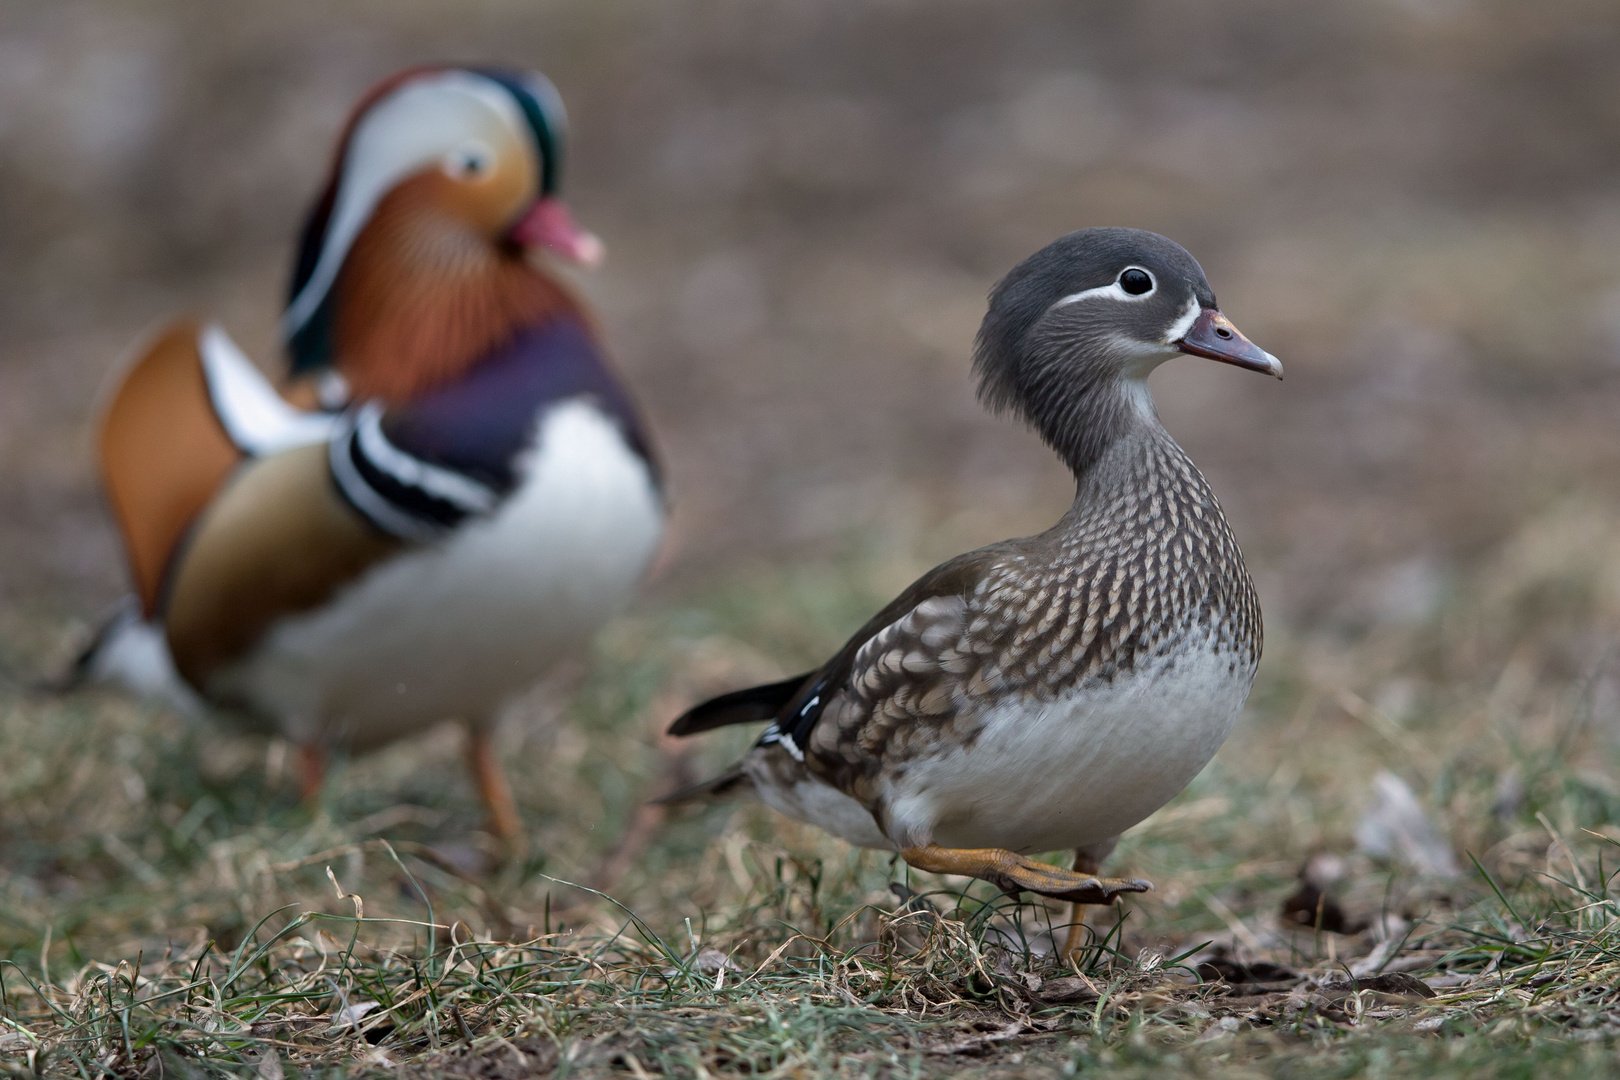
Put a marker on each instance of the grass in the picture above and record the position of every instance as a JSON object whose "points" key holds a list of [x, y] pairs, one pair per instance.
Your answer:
{"points": [[168, 908]]}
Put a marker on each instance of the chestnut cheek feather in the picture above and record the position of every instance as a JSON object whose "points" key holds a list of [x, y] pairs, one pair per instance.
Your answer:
{"points": [[419, 301]]}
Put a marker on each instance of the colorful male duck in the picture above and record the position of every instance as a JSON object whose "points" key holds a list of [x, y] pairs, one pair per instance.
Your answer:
{"points": [[1052, 691], [451, 491]]}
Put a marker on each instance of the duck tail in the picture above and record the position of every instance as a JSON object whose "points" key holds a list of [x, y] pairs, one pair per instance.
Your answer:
{"points": [[754, 705]]}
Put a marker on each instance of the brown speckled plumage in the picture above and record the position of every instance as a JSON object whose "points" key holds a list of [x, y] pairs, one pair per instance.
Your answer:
{"points": [[1143, 565]]}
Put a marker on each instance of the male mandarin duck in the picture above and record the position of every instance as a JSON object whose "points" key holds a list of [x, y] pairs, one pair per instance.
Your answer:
{"points": [[1052, 691], [451, 490]]}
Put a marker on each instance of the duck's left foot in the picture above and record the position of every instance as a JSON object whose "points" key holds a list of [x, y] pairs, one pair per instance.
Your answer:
{"points": [[1012, 873], [505, 823]]}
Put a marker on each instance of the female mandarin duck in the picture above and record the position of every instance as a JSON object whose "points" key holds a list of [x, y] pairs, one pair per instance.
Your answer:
{"points": [[1048, 692], [451, 490]]}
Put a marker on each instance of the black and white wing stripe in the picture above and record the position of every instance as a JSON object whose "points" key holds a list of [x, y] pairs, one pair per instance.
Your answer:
{"points": [[793, 731], [397, 492]]}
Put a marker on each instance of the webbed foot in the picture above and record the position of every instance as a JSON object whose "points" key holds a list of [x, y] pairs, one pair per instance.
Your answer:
{"points": [[1013, 873]]}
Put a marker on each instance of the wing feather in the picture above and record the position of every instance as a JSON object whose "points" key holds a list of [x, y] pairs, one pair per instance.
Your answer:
{"points": [[278, 541], [182, 419], [163, 454]]}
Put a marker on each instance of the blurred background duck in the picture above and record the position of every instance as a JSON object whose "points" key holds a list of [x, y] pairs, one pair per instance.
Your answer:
{"points": [[451, 489]]}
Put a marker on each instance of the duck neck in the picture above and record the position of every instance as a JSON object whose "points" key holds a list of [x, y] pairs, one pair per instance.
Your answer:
{"points": [[1083, 422]]}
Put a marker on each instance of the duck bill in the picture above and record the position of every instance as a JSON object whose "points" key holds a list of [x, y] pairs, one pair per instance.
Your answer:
{"points": [[548, 226], [1215, 338]]}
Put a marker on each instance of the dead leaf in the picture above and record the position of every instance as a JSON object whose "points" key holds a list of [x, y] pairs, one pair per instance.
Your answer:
{"points": [[1396, 827], [1068, 989]]}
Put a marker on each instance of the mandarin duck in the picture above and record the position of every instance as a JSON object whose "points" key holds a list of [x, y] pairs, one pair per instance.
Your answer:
{"points": [[1052, 691], [450, 490]]}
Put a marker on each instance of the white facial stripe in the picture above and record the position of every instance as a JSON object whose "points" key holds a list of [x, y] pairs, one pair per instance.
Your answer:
{"points": [[1114, 290], [418, 123], [1179, 329]]}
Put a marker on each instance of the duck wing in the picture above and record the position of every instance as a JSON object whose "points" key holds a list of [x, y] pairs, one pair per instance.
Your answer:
{"points": [[296, 526], [183, 417], [892, 664]]}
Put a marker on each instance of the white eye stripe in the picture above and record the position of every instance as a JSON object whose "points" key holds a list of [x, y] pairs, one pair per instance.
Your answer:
{"points": [[1113, 290]]}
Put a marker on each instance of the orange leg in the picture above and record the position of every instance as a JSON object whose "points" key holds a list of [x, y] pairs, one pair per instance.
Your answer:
{"points": [[311, 772], [1087, 863], [493, 789]]}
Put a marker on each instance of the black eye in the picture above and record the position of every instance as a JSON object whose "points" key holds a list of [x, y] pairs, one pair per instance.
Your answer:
{"points": [[467, 164], [1136, 282]]}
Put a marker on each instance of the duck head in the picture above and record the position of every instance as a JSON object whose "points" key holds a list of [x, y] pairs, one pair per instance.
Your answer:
{"points": [[428, 246], [1074, 330]]}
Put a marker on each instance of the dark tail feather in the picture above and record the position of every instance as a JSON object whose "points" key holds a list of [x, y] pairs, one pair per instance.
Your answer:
{"points": [[724, 784], [751, 706]]}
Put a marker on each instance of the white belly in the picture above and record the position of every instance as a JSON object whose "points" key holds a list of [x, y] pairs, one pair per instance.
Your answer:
{"points": [[1076, 771], [454, 629], [821, 805]]}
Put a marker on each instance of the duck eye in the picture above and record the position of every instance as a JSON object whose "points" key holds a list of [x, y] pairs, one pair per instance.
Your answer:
{"points": [[1136, 282], [467, 164]]}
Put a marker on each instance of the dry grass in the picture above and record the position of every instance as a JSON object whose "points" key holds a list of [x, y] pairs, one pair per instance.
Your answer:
{"points": [[167, 907]]}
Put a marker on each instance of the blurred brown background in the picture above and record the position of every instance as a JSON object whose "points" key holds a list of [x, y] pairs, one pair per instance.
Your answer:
{"points": [[1415, 203]]}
